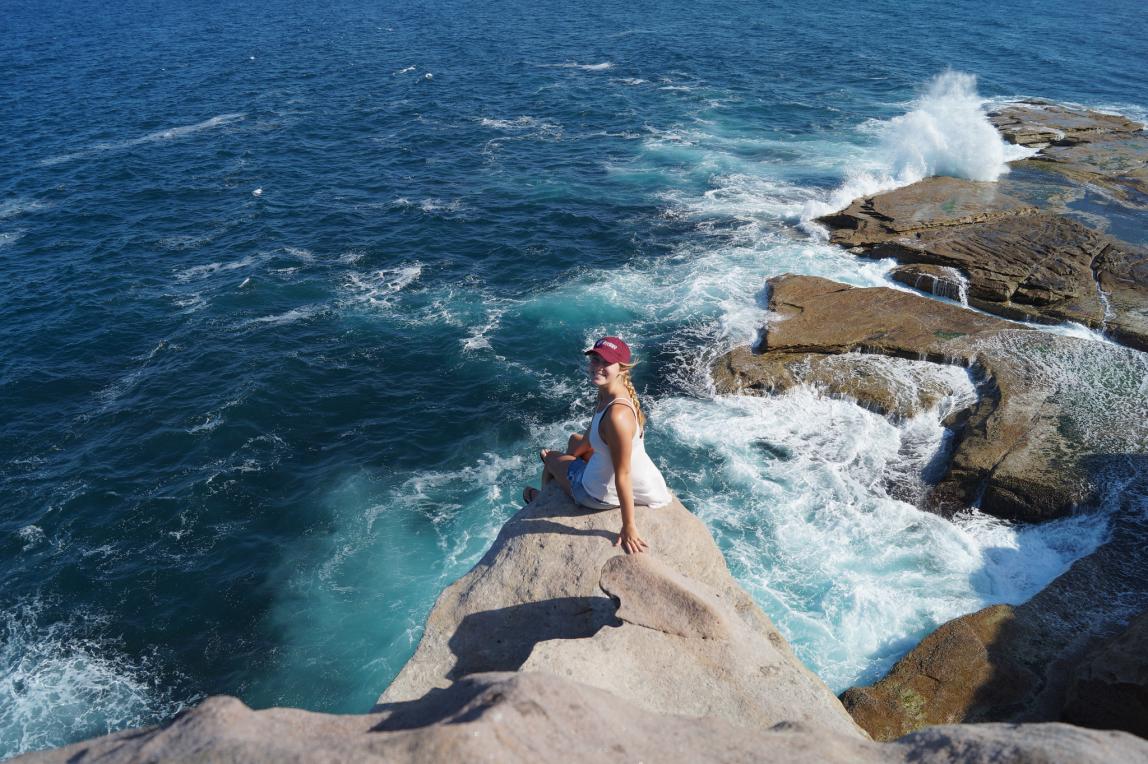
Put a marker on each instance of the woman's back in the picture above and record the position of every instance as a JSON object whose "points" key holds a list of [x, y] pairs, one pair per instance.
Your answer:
{"points": [[598, 479]]}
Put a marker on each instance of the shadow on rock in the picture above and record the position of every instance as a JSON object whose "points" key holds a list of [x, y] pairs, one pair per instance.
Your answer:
{"points": [[502, 639], [542, 526], [436, 705]]}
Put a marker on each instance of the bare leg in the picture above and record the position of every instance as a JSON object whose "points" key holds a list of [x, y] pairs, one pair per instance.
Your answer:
{"points": [[579, 446], [575, 446], [556, 466]]}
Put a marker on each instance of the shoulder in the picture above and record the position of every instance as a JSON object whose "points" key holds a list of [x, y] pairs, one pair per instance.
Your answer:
{"points": [[621, 416]]}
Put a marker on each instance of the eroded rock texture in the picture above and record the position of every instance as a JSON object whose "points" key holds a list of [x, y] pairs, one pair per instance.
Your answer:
{"points": [[686, 638], [534, 718], [1054, 427], [1024, 255], [1104, 150], [1051, 413]]}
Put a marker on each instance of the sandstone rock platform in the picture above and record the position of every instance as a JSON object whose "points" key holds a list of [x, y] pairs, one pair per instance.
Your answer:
{"points": [[1033, 445], [1025, 255], [537, 718], [1054, 429], [686, 638]]}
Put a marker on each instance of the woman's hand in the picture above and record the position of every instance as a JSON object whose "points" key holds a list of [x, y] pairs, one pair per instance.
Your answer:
{"points": [[631, 542]]}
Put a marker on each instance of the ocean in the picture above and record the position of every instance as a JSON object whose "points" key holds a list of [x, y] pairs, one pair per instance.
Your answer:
{"points": [[293, 293]]}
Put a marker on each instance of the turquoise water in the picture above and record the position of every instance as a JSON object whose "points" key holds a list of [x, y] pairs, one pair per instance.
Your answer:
{"points": [[293, 294]]}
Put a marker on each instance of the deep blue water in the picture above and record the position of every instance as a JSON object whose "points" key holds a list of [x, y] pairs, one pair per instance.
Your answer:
{"points": [[292, 293]]}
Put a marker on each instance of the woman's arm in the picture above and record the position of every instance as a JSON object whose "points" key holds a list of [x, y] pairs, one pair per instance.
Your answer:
{"points": [[619, 436]]}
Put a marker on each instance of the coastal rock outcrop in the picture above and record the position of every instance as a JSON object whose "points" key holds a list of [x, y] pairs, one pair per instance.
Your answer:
{"points": [[1055, 427], [1049, 407], [655, 632], [1109, 687], [1107, 151], [1025, 255], [1021, 262], [534, 718], [671, 631]]}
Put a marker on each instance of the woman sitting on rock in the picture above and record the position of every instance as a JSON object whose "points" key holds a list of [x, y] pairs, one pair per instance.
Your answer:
{"points": [[607, 467]]}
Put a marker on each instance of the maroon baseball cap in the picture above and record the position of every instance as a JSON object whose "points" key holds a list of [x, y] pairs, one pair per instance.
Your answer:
{"points": [[611, 350]]}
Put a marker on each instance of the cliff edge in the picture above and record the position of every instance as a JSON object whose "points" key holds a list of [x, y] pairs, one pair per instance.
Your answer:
{"points": [[556, 648]]}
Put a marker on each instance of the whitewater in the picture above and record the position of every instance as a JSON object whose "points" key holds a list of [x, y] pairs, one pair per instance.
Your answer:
{"points": [[251, 436]]}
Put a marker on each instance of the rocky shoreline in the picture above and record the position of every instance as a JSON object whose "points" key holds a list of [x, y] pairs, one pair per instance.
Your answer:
{"points": [[1057, 426], [1015, 246], [555, 647]]}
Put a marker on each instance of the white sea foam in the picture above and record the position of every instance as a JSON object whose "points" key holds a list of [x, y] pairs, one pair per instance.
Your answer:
{"points": [[794, 488], [210, 269], [57, 686], [379, 289], [32, 536], [945, 132], [601, 67], [208, 424], [16, 207], [287, 317], [433, 205], [477, 339], [518, 123], [8, 238], [170, 133]]}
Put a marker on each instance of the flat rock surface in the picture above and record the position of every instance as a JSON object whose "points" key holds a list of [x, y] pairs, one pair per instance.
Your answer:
{"points": [[540, 718], [1104, 150], [1051, 409], [1025, 254], [538, 601]]}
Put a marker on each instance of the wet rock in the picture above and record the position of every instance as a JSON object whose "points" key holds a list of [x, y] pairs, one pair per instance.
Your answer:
{"points": [[1025, 254], [939, 280], [1106, 151], [1031, 662], [893, 387], [1020, 263], [1048, 405], [1109, 687], [1040, 123]]}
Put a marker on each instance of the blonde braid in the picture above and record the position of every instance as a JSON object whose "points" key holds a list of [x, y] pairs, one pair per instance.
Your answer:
{"points": [[634, 397]]}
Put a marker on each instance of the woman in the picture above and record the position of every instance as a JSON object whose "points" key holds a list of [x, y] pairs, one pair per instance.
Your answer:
{"points": [[607, 467]]}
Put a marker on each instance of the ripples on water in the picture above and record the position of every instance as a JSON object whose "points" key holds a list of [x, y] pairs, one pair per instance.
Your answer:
{"points": [[290, 298]]}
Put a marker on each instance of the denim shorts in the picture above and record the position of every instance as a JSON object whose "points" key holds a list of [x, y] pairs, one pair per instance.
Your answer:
{"points": [[574, 475]]}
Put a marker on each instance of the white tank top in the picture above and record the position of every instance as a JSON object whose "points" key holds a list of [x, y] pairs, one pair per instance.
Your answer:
{"points": [[598, 477]]}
